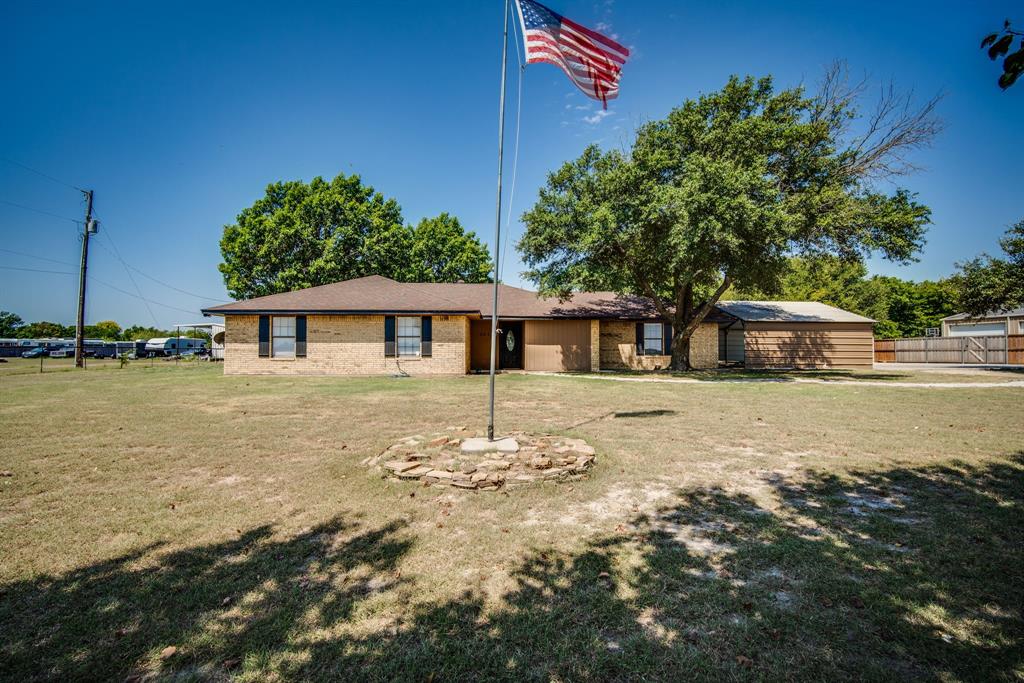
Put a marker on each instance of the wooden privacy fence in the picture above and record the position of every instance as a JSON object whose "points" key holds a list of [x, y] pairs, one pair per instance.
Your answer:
{"points": [[994, 350]]}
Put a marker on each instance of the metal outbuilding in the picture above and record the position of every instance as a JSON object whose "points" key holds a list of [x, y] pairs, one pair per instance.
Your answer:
{"points": [[793, 334]]}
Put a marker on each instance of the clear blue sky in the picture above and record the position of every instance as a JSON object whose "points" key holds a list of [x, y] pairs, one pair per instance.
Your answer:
{"points": [[178, 115]]}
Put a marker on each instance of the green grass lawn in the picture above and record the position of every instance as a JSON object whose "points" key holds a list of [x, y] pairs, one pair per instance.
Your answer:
{"points": [[171, 523]]}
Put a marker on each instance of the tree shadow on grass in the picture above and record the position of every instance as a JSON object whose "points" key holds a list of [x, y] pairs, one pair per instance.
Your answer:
{"points": [[911, 573], [228, 600]]}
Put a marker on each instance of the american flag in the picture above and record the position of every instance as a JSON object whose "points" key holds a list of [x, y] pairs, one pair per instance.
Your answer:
{"points": [[591, 60]]}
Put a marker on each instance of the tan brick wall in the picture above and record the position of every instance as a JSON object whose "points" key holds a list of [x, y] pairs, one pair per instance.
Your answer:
{"points": [[704, 346], [595, 345], [618, 348], [345, 345]]}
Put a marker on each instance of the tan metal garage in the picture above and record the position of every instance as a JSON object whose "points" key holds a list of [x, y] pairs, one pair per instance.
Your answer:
{"points": [[557, 345], [800, 334]]}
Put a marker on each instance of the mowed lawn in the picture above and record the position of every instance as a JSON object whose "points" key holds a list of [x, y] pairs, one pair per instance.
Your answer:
{"points": [[172, 523]]}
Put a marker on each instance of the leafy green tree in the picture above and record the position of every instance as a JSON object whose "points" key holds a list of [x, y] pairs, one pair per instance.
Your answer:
{"points": [[999, 45], [442, 251], [301, 235], [988, 284], [9, 324], [45, 330], [722, 191], [143, 332], [107, 329]]}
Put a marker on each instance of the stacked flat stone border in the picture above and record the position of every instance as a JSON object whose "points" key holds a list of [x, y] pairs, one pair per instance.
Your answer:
{"points": [[438, 460]]}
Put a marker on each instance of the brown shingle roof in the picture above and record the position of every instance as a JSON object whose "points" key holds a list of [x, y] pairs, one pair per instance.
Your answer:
{"points": [[377, 295]]}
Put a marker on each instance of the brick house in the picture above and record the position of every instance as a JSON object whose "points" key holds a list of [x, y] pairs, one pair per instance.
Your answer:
{"points": [[374, 325]]}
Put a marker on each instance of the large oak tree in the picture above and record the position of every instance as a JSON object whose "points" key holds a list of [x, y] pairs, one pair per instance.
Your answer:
{"points": [[724, 190], [307, 234]]}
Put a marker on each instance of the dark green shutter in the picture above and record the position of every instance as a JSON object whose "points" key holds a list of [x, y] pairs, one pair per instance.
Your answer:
{"points": [[390, 350], [426, 336], [667, 333], [300, 336], [639, 339], [264, 336]]}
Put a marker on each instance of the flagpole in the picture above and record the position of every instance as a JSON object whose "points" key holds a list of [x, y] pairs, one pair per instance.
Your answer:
{"points": [[497, 227]]}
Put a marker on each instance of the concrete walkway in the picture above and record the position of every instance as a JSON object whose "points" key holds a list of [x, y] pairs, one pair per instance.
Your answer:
{"points": [[1015, 384]]}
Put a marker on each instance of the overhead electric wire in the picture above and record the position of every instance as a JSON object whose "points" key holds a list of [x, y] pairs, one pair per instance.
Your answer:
{"points": [[127, 272], [45, 213], [39, 258], [38, 270], [100, 282], [40, 173], [159, 282]]}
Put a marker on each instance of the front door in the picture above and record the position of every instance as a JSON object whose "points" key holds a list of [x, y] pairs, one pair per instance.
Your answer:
{"points": [[510, 350]]}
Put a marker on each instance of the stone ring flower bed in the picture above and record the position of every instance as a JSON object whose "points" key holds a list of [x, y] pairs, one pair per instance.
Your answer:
{"points": [[475, 463]]}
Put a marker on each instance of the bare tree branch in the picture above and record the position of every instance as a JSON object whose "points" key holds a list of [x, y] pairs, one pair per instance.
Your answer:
{"points": [[896, 128]]}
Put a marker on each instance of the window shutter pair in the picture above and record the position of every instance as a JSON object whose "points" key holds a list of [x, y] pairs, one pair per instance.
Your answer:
{"points": [[300, 336], [666, 335], [426, 337]]}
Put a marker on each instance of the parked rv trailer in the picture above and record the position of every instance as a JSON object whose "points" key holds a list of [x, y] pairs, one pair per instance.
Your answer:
{"points": [[173, 346]]}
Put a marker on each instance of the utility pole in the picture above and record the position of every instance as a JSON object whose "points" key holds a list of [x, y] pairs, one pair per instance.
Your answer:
{"points": [[90, 228]]}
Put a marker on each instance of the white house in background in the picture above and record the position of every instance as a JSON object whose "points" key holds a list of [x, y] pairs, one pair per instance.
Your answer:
{"points": [[995, 324]]}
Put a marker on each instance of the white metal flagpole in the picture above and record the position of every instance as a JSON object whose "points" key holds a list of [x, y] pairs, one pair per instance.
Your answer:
{"points": [[497, 227]]}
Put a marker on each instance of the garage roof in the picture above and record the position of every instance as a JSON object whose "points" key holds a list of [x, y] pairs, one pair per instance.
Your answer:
{"points": [[789, 311], [1013, 313]]}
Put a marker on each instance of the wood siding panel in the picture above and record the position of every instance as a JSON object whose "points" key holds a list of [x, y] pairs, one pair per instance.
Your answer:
{"points": [[480, 344], [556, 345], [808, 345]]}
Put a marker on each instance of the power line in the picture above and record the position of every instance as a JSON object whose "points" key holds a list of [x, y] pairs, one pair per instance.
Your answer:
{"points": [[142, 298], [100, 282], [39, 258], [45, 213], [38, 270], [131, 279], [40, 173], [159, 282]]}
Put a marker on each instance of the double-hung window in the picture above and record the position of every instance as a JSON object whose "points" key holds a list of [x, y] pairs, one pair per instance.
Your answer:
{"points": [[654, 342], [409, 330], [283, 336]]}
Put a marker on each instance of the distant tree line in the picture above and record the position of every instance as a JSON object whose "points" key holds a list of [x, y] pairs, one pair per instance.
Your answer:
{"points": [[307, 234], [13, 327]]}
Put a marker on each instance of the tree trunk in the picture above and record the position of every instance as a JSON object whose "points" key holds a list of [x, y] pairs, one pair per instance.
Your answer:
{"points": [[686, 321], [680, 349]]}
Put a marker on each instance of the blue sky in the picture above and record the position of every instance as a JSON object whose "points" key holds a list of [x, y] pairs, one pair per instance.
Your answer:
{"points": [[178, 116]]}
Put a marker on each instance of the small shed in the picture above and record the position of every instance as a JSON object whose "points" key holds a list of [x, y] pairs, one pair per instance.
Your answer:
{"points": [[793, 334]]}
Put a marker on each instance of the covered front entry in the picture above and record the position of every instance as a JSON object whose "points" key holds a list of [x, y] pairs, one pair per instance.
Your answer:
{"points": [[533, 345], [510, 345]]}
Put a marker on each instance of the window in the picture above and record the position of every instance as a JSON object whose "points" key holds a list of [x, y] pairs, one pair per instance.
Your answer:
{"points": [[408, 337], [283, 337], [654, 344]]}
